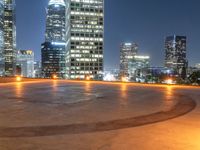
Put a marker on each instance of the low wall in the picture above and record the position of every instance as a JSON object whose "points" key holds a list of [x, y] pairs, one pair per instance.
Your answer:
{"points": [[13, 79]]}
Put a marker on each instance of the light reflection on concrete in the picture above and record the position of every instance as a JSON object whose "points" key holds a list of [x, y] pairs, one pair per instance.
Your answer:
{"points": [[123, 94], [87, 87], [169, 97], [169, 93], [19, 90], [55, 85]]}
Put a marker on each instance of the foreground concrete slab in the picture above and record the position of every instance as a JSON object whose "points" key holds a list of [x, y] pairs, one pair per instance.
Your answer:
{"points": [[51, 115]]}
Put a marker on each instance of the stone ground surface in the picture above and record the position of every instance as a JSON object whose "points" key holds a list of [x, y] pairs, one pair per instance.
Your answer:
{"points": [[70, 115]]}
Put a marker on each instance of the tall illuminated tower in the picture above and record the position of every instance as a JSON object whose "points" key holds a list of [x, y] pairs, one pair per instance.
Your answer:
{"points": [[9, 37], [85, 38], [127, 53], [175, 54], [55, 22], [1, 38], [54, 48]]}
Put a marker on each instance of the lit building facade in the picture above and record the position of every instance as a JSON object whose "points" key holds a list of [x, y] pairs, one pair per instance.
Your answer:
{"points": [[158, 74], [85, 39], [37, 69], [55, 22], [25, 63], [193, 69], [9, 37], [197, 66], [175, 55], [127, 52], [53, 60], [136, 67], [54, 48], [1, 38]]}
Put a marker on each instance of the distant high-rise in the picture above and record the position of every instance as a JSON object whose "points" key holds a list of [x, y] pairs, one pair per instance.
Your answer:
{"points": [[54, 48], [136, 67], [1, 38], [175, 54], [85, 39], [9, 37], [25, 63], [197, 65], [127, 53], [53, 59]]}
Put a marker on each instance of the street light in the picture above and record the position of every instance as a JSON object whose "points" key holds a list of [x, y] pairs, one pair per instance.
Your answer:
{"points": [[169, 81], [124, 79], [18, 79], [88, 78], [55, 76]]}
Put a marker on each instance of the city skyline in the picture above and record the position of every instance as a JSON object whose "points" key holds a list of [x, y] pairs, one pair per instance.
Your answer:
{"points": [[139, 28]]}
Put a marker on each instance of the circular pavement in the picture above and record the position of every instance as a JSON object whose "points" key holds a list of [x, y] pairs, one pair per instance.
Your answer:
{"points": [[47, 108]]}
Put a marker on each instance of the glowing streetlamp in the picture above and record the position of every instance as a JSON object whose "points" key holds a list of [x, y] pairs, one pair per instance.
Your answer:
{"points": [[55, 76], [87, 78], [18, 78], [124, 79], [169, 81]]}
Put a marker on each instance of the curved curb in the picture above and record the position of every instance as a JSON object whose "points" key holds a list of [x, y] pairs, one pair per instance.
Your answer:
{"points": [[182, 107]]}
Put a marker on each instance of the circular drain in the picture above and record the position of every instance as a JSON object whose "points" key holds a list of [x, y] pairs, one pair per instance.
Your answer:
{"points": [[182, 107]]}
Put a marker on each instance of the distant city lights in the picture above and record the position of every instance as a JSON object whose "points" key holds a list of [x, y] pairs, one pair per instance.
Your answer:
{"points": [[124, 79], [169, 81], [109, 77], [58, 43]]}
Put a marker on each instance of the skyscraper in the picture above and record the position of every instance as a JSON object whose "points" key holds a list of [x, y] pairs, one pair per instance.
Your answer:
{"points": [[9, 37], [175, 54], [1, 37], [54, 48], [55, 22], [136, 67], [85, 39], [127, 52]]}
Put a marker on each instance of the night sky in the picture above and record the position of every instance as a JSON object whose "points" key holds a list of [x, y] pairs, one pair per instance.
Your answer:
{"points": [[145, 22]]}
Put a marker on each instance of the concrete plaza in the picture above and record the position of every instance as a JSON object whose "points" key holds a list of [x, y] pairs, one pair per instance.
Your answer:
{"points": [[75, 115]]}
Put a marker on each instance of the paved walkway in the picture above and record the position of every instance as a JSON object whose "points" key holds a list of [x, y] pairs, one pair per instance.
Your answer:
{"points": [[51, 115]]}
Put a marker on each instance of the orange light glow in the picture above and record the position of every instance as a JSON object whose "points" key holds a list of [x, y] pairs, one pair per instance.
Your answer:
{"points": [[19, 90], [88, 78], [18, 79], [87, 87], [124, 79], [169, 81], [169, 92], [135, 84], [55, 77], [124, 90], [123, 94]]}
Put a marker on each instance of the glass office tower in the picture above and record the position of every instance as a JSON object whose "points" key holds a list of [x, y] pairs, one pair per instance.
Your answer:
{"points": [[53, 60], [9, 37], [127, 52], [85, 39], [1, 38], [175, 55], [55, 23], [137, 66], [54, 48]]}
